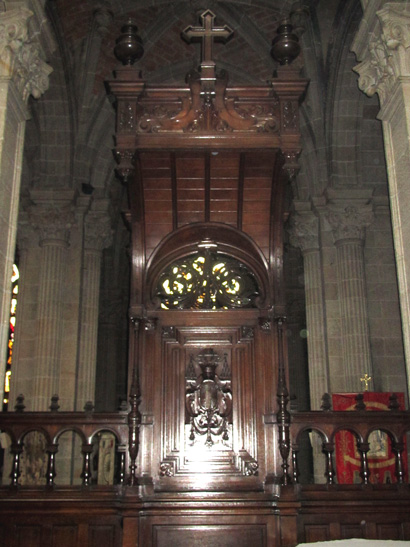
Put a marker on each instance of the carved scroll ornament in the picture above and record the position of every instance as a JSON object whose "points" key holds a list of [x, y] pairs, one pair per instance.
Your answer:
{"points": [[204, 112], [207, 281]]}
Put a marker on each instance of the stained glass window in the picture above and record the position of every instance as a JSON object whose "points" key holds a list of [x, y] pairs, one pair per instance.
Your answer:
{"points": [[14, 294], [207, 280]]}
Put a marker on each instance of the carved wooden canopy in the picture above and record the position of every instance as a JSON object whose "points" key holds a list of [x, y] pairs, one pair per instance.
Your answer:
{"points": [[205, 152]]}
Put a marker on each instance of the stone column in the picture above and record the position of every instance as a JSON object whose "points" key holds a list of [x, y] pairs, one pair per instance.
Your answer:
{"points": [[348, 223], [22, 72], [382, 44], [97, 236], [305, 235], [53, 222]]}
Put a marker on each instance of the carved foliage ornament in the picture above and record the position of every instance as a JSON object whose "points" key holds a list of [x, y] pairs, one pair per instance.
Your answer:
{"points": [[125, 159], [53, 222], [20, 56], [208, 397], [98, 232], [350, 223], [304, 231], [207, 281], [385, 57]]}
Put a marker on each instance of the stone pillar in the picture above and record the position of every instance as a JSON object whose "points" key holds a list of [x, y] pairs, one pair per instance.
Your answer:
{"points": [[97, 236], [53, 222], [348, 223], [22, 72], [305, 234], [382, 44]]}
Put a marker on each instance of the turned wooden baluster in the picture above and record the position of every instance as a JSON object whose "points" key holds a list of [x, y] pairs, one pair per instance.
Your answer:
{"points": [[134, 422], [398, 447], [52, 449], [16, 449], [328, 449], [86, 474], [121, 468], [283, 416], [295, 468], [134, 416], [363, 448]]}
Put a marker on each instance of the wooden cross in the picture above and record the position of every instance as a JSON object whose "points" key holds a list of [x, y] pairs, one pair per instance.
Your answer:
{"points": [[207, 34], [366, 380]]}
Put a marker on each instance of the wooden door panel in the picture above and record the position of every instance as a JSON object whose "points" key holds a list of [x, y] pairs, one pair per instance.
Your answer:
{"points": [[188, 451]]}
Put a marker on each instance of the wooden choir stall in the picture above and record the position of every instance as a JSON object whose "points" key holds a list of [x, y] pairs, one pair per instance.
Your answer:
{"points": [[208, 451]]}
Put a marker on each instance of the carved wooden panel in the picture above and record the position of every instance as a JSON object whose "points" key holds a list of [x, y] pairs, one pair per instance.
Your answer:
{"points": [[99, 534], [389, 531], [316, 532], [210, 529], [25, 528], [28, 535], [352, 531], [64, 535], [205, 535], [229, 448]]}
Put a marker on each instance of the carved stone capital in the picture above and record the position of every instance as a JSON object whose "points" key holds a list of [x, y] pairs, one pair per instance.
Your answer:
{"points": [[98, 232], [382, 45], [53, 222], [21, 54], [350, 222], [26, 235], [304, 231]]}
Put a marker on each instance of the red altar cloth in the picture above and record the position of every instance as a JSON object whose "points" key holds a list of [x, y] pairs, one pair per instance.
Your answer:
{"points": [[381, 458]]}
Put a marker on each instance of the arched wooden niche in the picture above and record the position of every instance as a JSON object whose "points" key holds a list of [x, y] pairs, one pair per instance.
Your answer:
{"points": [[217, 243]]}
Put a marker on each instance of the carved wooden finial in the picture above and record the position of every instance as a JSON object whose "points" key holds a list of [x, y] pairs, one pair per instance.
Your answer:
{"points": [[54, 406], [208, 33], [129, 48], [285, 47], [19, 406]]}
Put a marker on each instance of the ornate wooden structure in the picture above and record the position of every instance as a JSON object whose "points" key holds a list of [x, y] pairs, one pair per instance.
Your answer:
{"points": [[207, 451]]}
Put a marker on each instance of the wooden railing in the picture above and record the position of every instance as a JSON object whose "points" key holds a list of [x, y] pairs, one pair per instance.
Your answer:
{"points": [[361, 423], [124, 426], [53, 424]]}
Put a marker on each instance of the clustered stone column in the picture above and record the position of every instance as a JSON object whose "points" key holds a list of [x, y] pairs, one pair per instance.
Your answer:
{"points": [[24, 43], [305, 235], [348, 224], [53, 223], [98, 235], [382, 44]]}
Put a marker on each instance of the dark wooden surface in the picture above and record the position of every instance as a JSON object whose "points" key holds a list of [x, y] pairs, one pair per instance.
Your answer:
{"points": [[203, 163]]}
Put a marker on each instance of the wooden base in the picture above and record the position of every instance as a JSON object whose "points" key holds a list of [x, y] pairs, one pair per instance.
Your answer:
{"points": [[122, 517]]}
